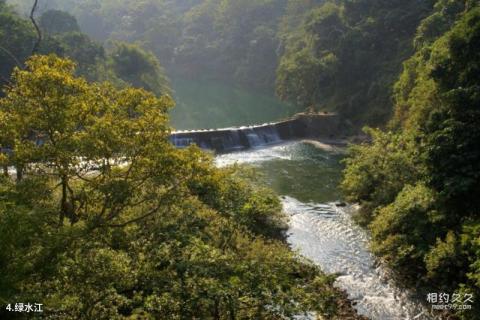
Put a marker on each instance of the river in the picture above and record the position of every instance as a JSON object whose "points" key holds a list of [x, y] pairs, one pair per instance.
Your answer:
{"points": [[306, 178]]}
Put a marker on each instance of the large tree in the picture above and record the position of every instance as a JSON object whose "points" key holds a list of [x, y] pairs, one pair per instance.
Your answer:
{"points": [[108, 220]]}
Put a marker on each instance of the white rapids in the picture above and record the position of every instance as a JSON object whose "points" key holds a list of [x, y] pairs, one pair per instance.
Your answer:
{"points": [[327, 235]]}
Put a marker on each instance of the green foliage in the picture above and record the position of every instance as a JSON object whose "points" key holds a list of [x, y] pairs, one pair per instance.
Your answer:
{"points": [[228, 40], [453, 128], [107, 220], [231, 40], [402, 230], [345, 55], [255, 208], [139, 68], [16, 38], [375, 173], [55, 21], [89, 56], [314, 53], [429, 232], [444, 260], [62, 36]]}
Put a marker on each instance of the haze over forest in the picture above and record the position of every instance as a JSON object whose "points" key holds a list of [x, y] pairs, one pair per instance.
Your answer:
{"points": [[312, 55]]}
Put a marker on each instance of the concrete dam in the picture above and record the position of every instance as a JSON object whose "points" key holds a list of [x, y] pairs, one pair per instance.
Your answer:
{"points": [[300, 126]]}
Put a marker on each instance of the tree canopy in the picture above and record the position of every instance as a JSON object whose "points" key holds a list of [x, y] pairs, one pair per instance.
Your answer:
{"points": [[56, 21], [345, 55], [61, 35], [419, 180], [139, 68], [106, 219]]}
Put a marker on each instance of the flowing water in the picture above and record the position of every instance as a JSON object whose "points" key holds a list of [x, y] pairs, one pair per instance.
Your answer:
{"points": [[307, 178]]}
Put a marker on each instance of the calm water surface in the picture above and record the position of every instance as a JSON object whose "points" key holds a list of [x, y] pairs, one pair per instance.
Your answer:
{"points": [[210, 104]]}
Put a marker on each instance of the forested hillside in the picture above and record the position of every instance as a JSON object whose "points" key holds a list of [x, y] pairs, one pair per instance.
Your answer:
{"points": [[121, 64], [228, 40], [345, 55], [314, 53], [419, 180]]}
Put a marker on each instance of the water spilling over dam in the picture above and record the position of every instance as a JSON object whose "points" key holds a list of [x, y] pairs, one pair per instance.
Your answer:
{"points": [[301, 126]]}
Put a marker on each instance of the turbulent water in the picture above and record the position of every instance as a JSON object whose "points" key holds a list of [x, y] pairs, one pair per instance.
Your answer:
{"points": [[307, 179]]}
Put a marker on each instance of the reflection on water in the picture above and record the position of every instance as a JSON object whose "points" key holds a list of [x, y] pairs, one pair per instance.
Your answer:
{"points": [[210, 104], [307, 179]]}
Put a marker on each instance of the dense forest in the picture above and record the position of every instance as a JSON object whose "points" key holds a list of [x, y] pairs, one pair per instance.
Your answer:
{"points": [[419, 179], [167, 233], [316, 54], [120, 64]]}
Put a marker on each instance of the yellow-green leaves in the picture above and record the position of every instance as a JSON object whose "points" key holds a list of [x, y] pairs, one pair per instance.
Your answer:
{"points": [[107, 220], [88, 137]]}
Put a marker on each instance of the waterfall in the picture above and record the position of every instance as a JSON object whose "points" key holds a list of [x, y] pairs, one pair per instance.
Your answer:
{"points": [[181, 142], [268, 134], [253, 138], [229, 139]]}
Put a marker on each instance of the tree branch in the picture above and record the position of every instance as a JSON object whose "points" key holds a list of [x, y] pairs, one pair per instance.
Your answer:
{"points": [[39, 33], [12, 56], [146, 215], [149, 213]]}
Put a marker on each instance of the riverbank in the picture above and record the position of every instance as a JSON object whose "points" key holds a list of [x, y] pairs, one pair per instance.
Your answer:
{"points": [[345, 308], [328, 145]]}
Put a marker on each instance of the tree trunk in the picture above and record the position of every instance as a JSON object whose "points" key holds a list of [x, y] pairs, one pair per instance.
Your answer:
{"points": [[216, 311], [19, 169], [37, 28], [231, 308], [63, 201]]}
